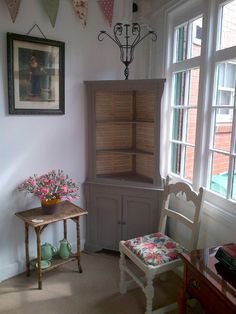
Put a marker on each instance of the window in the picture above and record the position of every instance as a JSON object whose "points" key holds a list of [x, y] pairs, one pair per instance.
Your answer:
{"points": [[185, 97], [223, 113], [188, 40], [225, 90], [227, 27], [203, 100]]}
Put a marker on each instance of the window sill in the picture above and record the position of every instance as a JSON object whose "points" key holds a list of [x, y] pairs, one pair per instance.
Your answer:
{"points": [[218, 206]]}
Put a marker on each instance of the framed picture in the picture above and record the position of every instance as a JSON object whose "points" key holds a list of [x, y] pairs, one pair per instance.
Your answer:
{"points": [[35, 75]]}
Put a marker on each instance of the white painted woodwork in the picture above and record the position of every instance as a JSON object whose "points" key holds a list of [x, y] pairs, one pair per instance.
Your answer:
{"points": [[182, 190]]}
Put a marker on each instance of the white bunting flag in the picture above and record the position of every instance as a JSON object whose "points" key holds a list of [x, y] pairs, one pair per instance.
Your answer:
{"points": [[81, 9], [13, 7]]}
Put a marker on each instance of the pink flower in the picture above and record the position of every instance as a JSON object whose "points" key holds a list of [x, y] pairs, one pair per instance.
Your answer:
{"points": [[69, 198], [51, 185], [44, 190], [172, 255], [65, 189], [149, 246], [159, 259], [170, 245], [158, 235]]}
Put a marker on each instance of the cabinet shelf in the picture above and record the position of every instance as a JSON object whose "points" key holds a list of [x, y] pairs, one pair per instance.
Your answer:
{"points": [[125, 121], [126, 176], [125, 151]]}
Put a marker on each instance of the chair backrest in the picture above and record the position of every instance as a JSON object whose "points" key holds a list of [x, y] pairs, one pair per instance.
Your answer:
{"points": [[189, 196]]}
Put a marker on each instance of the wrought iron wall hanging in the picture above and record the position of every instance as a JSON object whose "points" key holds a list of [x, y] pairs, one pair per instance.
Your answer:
{"points": [[127, 37]]}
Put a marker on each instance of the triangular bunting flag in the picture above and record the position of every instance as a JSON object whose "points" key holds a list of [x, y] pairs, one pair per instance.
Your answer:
{"points": [[107, 9], [81, 9], [51, 7], [13, 7]]}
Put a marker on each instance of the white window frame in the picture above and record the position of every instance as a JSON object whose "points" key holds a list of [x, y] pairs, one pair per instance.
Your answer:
{"points": [[208, 60]]}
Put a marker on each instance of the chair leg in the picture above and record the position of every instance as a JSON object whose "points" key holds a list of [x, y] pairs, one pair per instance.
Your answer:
{"points": [[149, 293], [122, 263]]}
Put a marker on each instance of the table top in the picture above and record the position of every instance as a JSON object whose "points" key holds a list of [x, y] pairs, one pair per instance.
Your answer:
{"points": [[216, 273], [36, 216]]}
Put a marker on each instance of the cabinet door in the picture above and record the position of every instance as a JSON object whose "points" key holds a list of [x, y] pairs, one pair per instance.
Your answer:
{"points": [[139, 216], [108, 209]]}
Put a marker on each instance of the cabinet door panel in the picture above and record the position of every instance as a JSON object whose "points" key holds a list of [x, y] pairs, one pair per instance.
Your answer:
{"points": [[109, 216], [139, 217]]}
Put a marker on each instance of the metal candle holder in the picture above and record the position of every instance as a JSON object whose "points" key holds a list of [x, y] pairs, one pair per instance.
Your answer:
{"points": [[127, 37]]}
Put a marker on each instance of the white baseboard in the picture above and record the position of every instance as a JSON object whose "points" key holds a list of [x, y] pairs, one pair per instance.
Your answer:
{"points": [[11, 270]]}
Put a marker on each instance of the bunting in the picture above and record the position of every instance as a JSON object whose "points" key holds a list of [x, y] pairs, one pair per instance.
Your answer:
{"points": [[107, 9], [51, 7], [81, 9], [13, 7]]}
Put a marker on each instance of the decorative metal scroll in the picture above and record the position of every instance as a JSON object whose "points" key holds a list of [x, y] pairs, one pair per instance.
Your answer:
{"points": [[127, 37]]}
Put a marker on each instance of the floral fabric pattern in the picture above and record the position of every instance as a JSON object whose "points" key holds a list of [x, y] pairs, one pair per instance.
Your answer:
{"points": [[155, 249], [81, 9]]}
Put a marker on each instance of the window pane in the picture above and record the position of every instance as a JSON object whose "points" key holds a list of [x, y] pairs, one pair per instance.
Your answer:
{"points": [[175, 158], [234, 182], [193, 87], [226, 78], [223, 129], [228, 28], [181, 43], [191, 126], [189, 160], [179, 88], [219, 175], [177, 133], [196, 38]]}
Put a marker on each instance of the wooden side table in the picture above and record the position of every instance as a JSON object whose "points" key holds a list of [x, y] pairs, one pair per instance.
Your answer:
{"points": [[208, 281], [36, 218]]}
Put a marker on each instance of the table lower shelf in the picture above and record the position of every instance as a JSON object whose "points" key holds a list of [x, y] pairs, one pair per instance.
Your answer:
{"points": [[55, 262]]}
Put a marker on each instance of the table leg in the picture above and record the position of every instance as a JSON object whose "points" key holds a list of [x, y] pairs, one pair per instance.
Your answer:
{"points": [[182, 295], [37, 230], [27, 262], [78, 244], [182, 301], [65, 228]]}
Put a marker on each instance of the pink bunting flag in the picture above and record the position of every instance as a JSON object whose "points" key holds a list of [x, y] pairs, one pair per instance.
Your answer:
{"points": [[81, 9], [13, 7], [107, 9]]}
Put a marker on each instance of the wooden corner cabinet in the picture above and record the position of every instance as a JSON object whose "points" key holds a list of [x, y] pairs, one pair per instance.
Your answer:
{"points": [[123, 186]]}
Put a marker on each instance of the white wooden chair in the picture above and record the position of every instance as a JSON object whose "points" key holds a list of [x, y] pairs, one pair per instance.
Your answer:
{"points": [[157, 253]]}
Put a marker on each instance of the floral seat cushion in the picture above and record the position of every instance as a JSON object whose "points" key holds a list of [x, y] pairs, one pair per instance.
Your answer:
{"points": [[155, 249]]}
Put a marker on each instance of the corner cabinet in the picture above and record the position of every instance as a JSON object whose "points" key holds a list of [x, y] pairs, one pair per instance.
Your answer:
{"points": [[123, 185]]}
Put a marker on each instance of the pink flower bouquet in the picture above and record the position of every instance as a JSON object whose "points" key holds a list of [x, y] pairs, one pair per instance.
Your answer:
{"points": [[50, 186]]}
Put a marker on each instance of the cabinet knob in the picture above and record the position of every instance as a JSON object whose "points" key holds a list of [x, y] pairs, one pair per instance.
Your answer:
{"points": [[195, 284]]}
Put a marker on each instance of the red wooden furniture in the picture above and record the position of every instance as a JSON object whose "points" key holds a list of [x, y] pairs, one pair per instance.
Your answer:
{"points": [[209, 281]]}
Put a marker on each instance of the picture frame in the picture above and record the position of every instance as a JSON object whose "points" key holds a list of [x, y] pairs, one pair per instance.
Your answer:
{"points": [[36, 75]]}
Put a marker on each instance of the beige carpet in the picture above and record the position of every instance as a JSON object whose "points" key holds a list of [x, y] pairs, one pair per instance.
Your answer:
{"points": [[65, 291]]}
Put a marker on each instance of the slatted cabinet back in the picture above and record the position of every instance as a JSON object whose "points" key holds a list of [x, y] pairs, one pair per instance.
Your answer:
{"points": [[126, 129]]}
